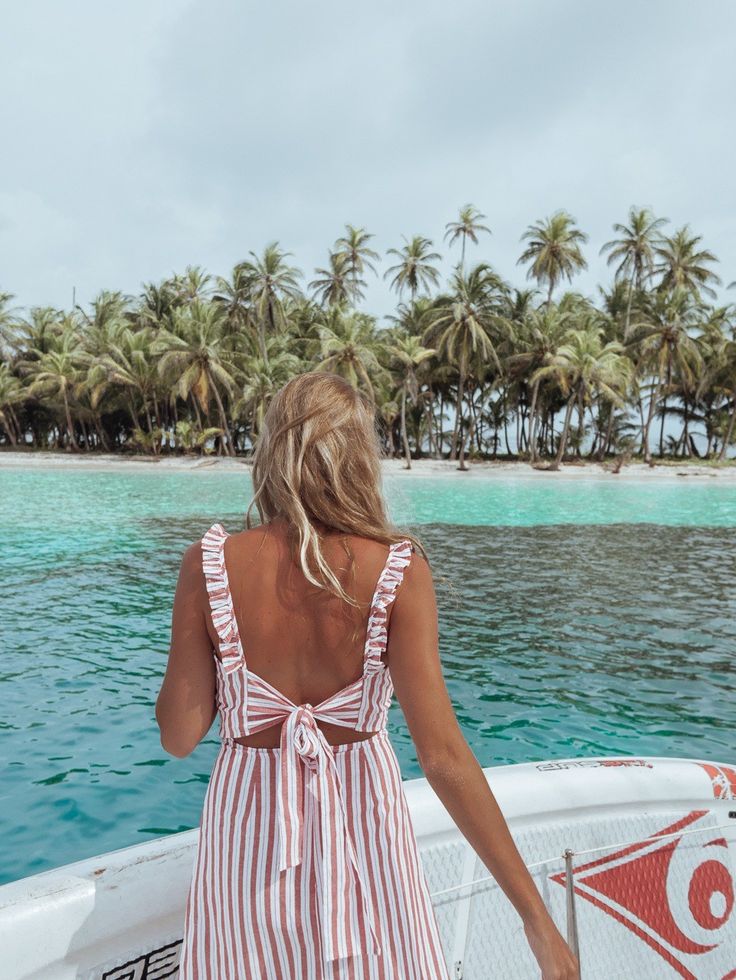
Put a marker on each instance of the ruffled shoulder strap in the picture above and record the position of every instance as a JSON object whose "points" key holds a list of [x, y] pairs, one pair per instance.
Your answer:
{"points": [[399, 556], [221, 601]]}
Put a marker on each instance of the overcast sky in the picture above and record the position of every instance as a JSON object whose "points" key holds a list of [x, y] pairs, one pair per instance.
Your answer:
{"points": [[145, 135]]}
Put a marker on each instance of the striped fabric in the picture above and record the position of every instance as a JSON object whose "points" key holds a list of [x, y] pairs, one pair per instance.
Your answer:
{"points": [[307, 864]]}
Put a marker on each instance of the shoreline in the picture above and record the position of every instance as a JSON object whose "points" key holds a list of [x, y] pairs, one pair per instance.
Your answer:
{"points": [[485, 469]]}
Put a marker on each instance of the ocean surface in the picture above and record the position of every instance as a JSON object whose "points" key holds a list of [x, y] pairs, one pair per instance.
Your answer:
{"points": [[577, 618]]}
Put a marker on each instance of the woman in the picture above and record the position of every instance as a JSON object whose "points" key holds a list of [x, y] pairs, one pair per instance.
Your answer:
{"points": [[307, 865]]}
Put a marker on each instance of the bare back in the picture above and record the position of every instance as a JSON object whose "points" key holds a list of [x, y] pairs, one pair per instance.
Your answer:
{"points": [[303, 641]]}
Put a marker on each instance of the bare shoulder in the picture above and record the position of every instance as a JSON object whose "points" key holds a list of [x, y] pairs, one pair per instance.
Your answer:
{"points": [[417, 577], [191, 562], [249, 540], [370, 552]]}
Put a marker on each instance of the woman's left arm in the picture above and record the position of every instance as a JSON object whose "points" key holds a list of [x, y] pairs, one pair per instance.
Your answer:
{"points": [[186, 706]]}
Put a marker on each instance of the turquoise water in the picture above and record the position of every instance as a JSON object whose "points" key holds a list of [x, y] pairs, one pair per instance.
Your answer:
{"points": [[576, 618]]}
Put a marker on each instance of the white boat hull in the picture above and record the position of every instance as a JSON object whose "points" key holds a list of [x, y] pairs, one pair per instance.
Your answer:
{"points": [[652, 842]]}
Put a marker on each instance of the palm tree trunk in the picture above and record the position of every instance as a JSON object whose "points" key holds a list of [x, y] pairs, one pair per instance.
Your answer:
{"points": [[133, 414], [729, 432], [505, 435], [223, 418], [101, 432], [430, 433], [155, 443], [653, 399], [709, 444], [480, 432], [85, 434], [16, 423], [664, 409], [685, 437], [661, 426], [69, 424], [404, 440], [439, 434], [461, 461], [391, 439], [628, 306], [640, 408], [474, 419], [606, 441], [533, 423], [7, 425], [458, 415], [581, 430], [565, 431], [262, 332], [197, 413]]}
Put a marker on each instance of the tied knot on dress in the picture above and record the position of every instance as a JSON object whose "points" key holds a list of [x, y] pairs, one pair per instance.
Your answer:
{"points": [[307, 735], [308, 775]]}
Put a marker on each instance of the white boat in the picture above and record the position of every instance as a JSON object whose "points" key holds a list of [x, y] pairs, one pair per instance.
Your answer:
{"points": [[633, 856]]}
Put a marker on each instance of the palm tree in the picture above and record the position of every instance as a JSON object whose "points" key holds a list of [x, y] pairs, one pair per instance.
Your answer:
{"points": [[192, 285], [414, 270], [57, 373], [348, 347], [461, 330], [7, 324], [717, 343], [273, 283], [537, 341], [157, 304], [110, 313], [263, 380], [189, 437], [665, 346], [554, 250], [467, 226], [235, 295], [129, 364], [635, 252], [353, 245], [337, 285], [729, 372], [194, 356], [683, 265], [201, 356], [584, 367], [408, 354], [11, 394], [29, 338]]}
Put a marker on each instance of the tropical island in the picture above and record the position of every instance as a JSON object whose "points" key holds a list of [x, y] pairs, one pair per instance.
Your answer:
{"points": [[469, 369]]}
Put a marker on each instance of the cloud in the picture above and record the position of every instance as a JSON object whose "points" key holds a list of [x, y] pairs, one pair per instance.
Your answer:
{"points": [[148, 136]]}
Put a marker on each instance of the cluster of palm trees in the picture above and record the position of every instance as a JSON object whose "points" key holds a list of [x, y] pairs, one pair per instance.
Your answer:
{"points": [[471, 368]]}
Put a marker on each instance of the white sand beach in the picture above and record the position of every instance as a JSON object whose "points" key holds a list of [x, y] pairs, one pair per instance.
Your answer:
{"points": [[396, 467]]}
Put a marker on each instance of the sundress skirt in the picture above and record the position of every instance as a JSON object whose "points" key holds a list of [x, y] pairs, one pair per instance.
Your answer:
{"points": [[246, 920]]}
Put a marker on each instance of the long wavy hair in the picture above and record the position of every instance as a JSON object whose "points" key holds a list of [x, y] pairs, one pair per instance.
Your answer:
{"points": [[317, 466]]}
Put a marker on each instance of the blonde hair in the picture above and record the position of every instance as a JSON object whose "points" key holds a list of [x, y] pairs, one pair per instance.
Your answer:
{"points": [[317, 462]]}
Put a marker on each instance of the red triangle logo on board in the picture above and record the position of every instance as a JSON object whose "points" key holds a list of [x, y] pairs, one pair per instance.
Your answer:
{"points": [[673, 890]]}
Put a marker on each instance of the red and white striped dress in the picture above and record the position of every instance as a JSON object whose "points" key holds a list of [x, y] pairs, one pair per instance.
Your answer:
{"points": [[307, 865]]}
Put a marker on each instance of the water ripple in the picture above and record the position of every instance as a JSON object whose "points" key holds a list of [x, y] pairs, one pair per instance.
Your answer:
{"points": [[557, 638]]}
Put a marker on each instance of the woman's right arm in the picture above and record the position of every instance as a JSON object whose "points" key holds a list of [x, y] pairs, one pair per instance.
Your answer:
{"points": [[452, 769]]}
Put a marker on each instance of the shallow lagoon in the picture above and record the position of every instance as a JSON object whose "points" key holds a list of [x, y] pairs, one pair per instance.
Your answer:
{"points": [[576, 618]]}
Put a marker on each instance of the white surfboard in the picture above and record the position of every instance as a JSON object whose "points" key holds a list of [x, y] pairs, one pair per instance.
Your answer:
{"points": [[634, 858]]}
